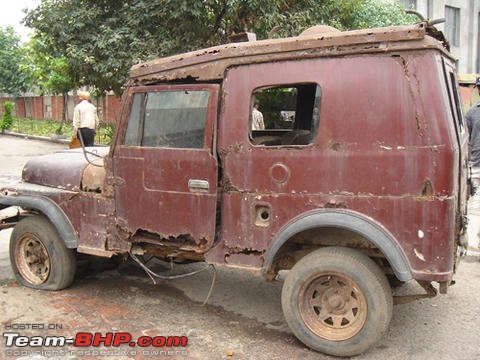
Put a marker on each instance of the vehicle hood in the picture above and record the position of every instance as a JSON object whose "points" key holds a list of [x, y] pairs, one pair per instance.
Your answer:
{"points": [[68, 169]]}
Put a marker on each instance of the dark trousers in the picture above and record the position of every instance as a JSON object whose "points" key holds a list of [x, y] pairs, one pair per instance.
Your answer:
{"points": [[86, 135]]}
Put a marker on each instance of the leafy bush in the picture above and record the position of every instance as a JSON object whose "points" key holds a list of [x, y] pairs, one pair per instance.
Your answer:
{"points": [[108, 132], [49, 127], [7, 118]]}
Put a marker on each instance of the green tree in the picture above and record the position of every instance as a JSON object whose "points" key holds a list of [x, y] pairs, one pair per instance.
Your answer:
{"points": [[12, 80], [101, 39], [91, 36], [50, 74], [377, 14]]}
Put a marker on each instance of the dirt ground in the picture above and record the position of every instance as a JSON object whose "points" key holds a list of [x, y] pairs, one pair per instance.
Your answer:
{"points": [[242, 318]]}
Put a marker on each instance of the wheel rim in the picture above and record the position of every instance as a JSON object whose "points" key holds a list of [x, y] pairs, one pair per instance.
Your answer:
{"points": [[333, 306], [32, 259]]}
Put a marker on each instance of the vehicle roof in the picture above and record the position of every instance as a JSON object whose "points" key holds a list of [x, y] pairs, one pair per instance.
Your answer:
{"points": [[211, 63]]}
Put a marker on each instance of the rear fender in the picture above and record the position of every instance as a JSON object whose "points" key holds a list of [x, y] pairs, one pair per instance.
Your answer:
{"points": [[347, 220]]}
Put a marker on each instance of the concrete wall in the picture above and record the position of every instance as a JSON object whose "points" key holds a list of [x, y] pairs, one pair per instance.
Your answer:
{"points": [[467, 50]]}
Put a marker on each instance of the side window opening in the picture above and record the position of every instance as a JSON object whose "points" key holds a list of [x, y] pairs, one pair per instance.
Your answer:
{"points": [[457, 103], [456, 106], [132, 135], [172, 119], [285, 115]]}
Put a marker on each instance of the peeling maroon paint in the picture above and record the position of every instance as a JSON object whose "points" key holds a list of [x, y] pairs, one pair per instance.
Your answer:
{"points": [[384, 144]]}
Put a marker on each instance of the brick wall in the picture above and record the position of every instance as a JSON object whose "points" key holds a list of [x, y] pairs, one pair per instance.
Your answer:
{"points": [[51, 107], [111, 108], [56, 107], [37, 107]]}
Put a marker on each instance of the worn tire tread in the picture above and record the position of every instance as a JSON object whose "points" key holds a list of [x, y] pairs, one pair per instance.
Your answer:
{"points": [[367, 272], [62, 259]]}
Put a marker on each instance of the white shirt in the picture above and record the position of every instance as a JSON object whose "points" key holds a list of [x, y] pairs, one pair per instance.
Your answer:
{"points": [[85, 116], [257, 120]]}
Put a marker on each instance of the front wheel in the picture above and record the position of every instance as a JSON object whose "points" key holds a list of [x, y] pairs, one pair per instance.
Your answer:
{"points": [[39, 257], [337, 301]]}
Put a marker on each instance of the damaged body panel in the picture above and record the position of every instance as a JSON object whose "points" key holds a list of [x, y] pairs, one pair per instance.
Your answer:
{"points": [[171, 173], [331, 161], [345, 168], [49, 170], [66, 197], [210, 64]]}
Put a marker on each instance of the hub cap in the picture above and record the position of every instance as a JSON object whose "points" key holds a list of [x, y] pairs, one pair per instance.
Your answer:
{"points": [[32, 259], [333, 307]]}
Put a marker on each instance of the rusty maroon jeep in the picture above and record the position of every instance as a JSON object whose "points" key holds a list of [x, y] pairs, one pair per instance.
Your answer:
{"points": [[351, 172]]}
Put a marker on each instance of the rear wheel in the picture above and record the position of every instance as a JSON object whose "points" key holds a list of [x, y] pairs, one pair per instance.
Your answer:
{"points": [[337, 301], [39, 257]]}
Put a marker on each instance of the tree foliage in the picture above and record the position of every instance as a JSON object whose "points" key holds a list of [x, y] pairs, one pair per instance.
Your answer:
{"points": [[99, 40], [377, 14], [12, 80], [49, 71]]}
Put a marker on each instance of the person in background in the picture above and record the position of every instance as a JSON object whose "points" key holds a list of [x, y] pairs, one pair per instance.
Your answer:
{"points": [[473, 122], [85, 119], [257, 116]]}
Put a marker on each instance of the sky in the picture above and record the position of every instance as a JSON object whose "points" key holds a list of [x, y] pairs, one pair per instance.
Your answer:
{"points": [[12, 14]]}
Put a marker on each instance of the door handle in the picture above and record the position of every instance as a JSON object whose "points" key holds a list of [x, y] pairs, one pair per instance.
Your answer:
{"points": [[196, 185]]}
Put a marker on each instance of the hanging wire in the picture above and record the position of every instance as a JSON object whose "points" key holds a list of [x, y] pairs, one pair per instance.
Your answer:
{"points": [[154, 275], [85, 152]]}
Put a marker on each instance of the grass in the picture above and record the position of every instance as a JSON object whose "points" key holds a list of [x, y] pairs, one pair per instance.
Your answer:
{"points": [[51, 128]]}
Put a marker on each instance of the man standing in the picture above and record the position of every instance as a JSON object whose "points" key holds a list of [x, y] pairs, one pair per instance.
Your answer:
{"points": [[257, 116], [85, 119], [473, 123]]}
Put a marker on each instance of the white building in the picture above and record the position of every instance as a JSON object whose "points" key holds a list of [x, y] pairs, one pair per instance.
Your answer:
{"points": [[462, 27]]}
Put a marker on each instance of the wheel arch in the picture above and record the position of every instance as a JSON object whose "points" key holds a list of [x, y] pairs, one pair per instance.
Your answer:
{"points": [[342, 220], [51, 210]]}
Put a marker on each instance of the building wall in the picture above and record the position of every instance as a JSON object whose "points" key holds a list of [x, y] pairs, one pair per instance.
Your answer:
{"points": [[51, 107], [466, 52], [56, 107], [111, 107]]}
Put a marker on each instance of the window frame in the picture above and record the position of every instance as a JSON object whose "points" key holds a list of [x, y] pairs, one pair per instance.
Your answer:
{"points": [[314, 121], [452, 30], [455, 102], [210, 121]]}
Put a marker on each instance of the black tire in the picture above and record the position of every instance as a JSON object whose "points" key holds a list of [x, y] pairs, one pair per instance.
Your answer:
{"points": [[337, 301], [39, 257]]}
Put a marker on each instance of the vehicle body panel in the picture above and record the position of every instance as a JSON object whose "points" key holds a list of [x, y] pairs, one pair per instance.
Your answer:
{"points": [[384, 164], [161, 180], [49, 169]]}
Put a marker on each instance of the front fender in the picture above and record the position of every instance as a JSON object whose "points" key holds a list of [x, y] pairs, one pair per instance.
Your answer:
{"points": [[50, 209], [347, 220]]}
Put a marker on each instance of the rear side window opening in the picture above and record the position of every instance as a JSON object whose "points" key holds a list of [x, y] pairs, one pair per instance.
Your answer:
{"points": [[285, 115], [456, 107], [456, 103]]}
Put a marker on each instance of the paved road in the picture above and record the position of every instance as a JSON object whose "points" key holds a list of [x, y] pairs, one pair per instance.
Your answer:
{"points": [[243, 314], [14, 153]]}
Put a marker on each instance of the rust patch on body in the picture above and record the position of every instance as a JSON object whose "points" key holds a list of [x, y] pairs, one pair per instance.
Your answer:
{"points": [[93, 178], [210, 64]]}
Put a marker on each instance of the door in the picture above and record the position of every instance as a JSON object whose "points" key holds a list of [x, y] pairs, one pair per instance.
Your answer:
{"points": [[165, 171]]}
